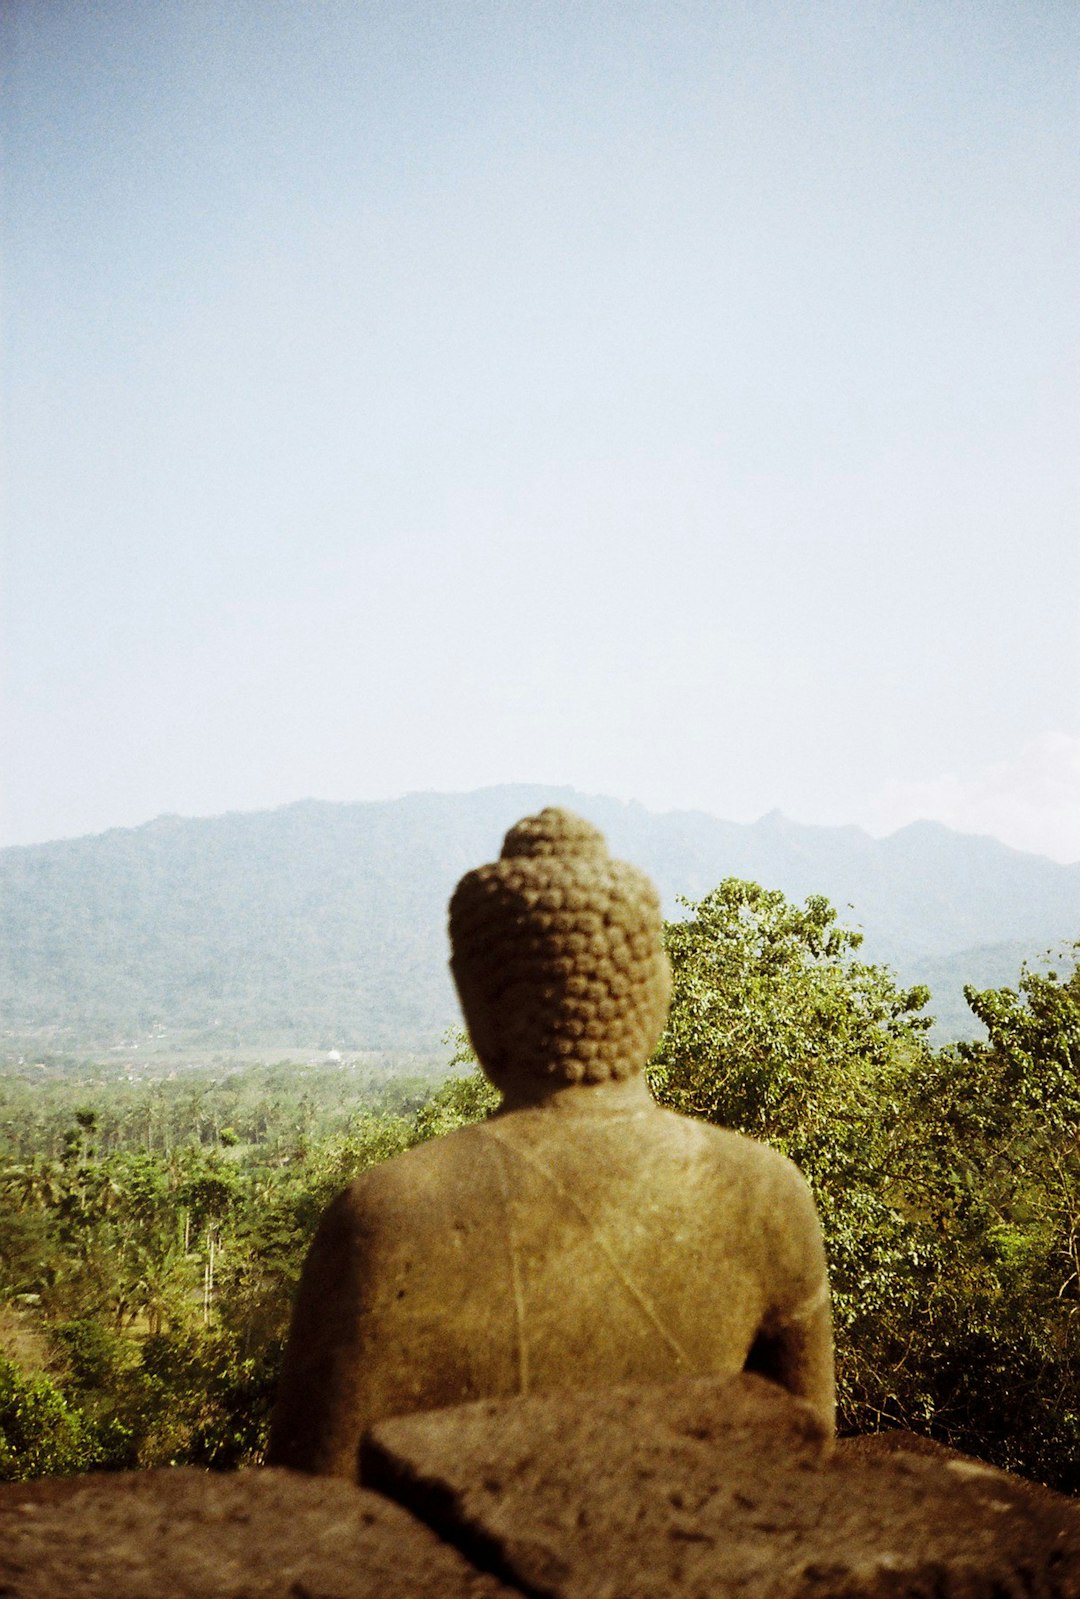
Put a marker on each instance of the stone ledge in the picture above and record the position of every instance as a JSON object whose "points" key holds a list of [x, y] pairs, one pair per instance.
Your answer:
{"points": [[707, 1488], [189, 1534], [704, 1489]]}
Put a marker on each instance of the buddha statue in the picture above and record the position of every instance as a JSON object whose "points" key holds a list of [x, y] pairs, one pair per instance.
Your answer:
{"points": [[580, 1237]]}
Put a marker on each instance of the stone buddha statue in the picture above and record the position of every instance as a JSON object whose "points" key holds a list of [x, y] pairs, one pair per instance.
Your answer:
{"points": [[581, 1236]]}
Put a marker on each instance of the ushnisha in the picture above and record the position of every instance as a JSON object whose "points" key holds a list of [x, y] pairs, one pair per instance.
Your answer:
{"points": [[582, 1236]]}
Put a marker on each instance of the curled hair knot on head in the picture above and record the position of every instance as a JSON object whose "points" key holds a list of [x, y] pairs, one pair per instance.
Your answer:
{"points": [[558, 956]]}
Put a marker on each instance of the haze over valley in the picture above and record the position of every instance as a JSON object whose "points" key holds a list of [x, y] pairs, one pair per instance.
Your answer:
{"points": [[320, 926]]}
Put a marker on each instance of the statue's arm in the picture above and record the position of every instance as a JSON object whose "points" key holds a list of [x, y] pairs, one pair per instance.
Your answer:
{"points": [[320, 1411], [798, 1354], [794, 1345]]}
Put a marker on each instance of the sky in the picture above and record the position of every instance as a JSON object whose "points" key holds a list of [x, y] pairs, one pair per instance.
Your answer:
{"points": [[678, 400]]}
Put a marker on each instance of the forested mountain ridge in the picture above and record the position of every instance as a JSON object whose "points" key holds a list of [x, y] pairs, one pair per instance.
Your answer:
{"points": [[324, 923]]}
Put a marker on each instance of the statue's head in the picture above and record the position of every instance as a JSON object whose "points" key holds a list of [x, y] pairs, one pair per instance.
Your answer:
{"points": [[558, 957]]}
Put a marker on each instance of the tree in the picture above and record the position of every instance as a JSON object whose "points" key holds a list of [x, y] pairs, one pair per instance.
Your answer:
{"points": [[1015, 1109], [41, 1435], [775, 1027], [778, 1030], [458, 1102], [947, 1183]]}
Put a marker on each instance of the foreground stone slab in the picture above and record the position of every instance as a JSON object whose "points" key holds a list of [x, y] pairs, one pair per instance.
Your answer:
{"points": [[714, 1488], [187, 1534], [874, 1445]]}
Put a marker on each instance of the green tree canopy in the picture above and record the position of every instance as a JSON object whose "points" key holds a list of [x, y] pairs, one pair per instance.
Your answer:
{"points": [[775, 1026], [948, 1184]]}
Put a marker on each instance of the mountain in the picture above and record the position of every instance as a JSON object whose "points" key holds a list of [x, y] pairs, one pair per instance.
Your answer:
{"points": [[323, 925]]}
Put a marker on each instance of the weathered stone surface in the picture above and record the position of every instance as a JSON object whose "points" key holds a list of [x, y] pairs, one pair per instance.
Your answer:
{"points": [[580, 1237], [188, 1534], [706, 1488], [898, 1441]]}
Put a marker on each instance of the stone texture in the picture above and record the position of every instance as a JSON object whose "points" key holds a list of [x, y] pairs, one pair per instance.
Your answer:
{"points": [[581, 1236], [558, 957], [187, 1534], [899, 1441], [706, 1488]]}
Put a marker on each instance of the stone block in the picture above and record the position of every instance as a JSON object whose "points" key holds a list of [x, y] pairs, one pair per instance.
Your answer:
{"points": [[714, 1488], [189, 1534]]}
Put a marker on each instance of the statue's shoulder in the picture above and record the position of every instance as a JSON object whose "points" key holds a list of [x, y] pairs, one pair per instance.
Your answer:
{"points": [[428, 1177], [755, 1161], [768, 1200]]}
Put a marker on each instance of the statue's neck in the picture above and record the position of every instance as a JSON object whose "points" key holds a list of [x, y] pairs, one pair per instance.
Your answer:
{"points": [[629, 1096]]}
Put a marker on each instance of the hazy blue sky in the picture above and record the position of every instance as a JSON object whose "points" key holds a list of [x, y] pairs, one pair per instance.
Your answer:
{"points": [[677, 400]]}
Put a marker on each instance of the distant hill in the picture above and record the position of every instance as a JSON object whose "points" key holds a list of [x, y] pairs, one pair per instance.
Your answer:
{"points": [[324, 924]]}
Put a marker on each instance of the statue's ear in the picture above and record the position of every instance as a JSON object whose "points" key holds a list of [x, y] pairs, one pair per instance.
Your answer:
{"points": [[662, 1001], [479, 1021], [667, 983]]}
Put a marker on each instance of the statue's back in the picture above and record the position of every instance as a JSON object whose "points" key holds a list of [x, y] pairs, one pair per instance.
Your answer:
{"points": [[541, 1251]]}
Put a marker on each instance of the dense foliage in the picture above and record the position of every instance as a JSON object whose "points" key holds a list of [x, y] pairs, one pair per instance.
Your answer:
{"points": [[948, 1182], [151, 1233], [151, 1238]]}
